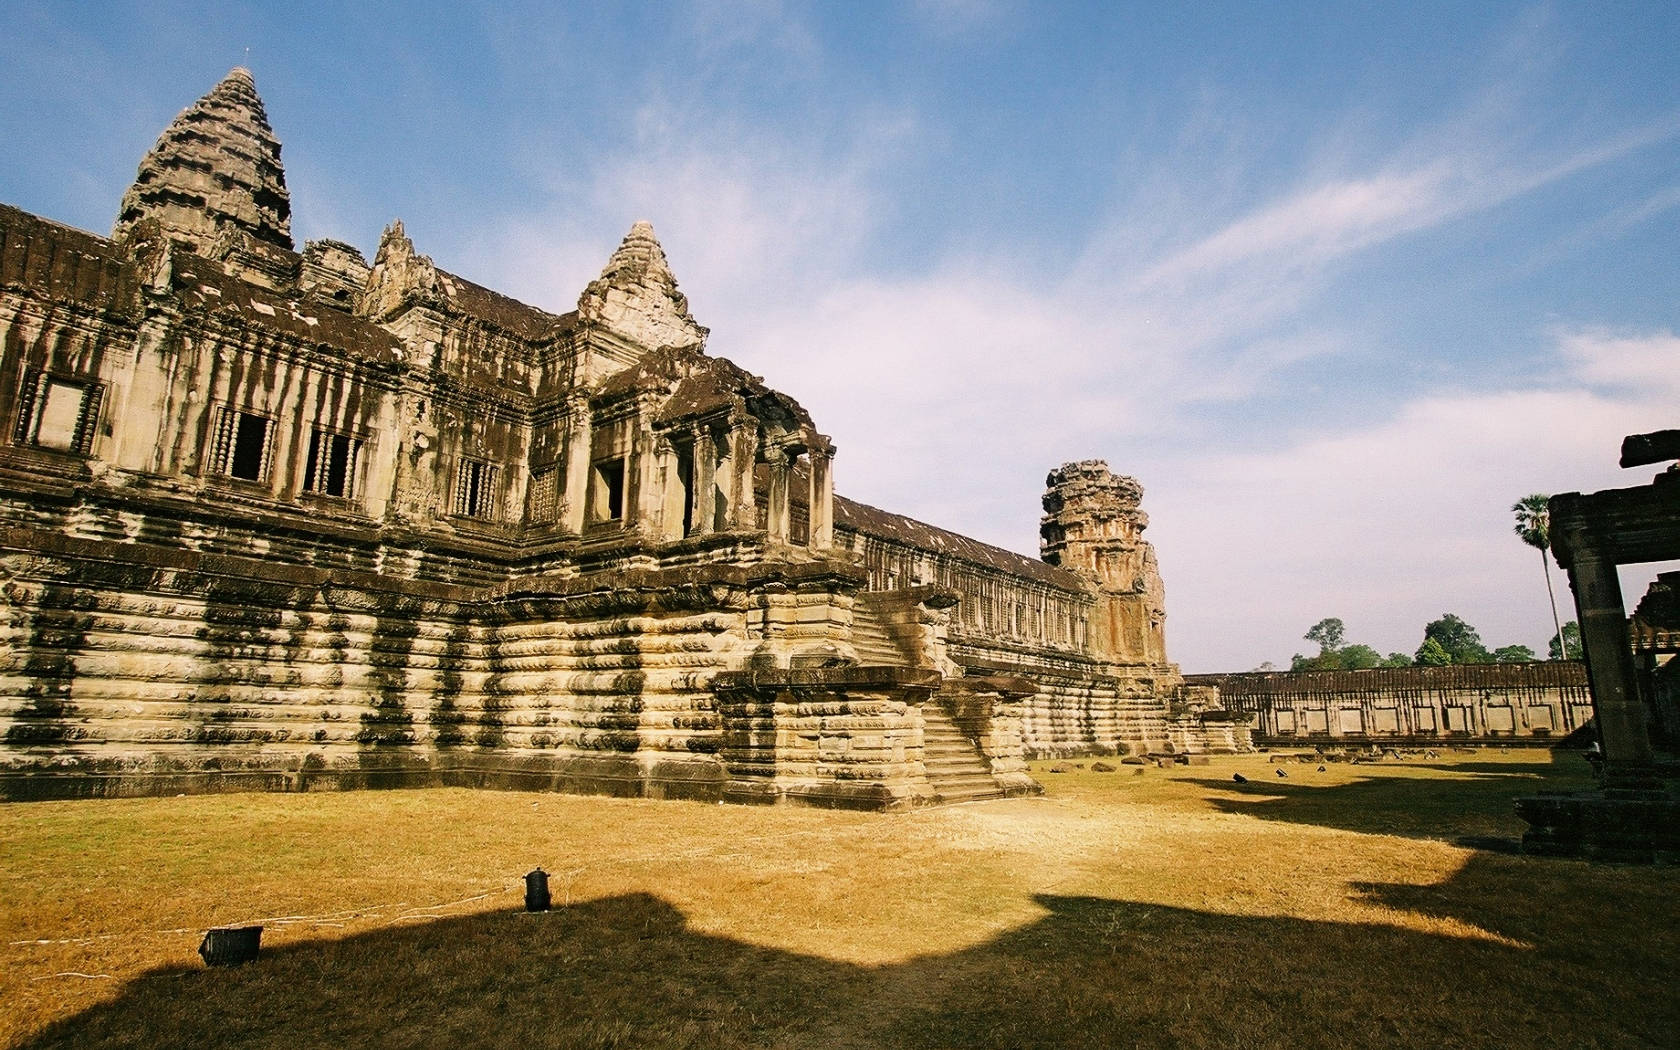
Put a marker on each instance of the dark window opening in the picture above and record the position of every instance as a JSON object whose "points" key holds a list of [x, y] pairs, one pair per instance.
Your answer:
{"points": [[608, 504], [331, 467], [685, 482], [240, 446], [249, 442]]}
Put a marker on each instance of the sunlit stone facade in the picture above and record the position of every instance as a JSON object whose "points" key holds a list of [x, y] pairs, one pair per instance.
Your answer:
{"points": [[287, 519]]}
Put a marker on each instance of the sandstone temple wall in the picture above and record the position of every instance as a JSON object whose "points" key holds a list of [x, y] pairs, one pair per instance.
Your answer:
{"points": [[1471, 703], [138, 669], [1010, 615]]}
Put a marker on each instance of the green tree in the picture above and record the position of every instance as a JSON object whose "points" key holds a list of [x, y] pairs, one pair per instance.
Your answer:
{"points": [[1357, 657], [1432, 654], [1567, 640], [1457, 639], [1322, 662], [1396, 660], [1534, 527], [1514, 654], [1329, 633]]}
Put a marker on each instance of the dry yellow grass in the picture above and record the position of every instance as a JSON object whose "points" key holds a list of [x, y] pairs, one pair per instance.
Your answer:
{"points": [[1168, 908]]}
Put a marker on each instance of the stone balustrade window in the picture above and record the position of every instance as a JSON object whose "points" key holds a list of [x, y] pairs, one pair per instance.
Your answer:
{"points": [[58, 412], [543, 498], [475, 489], [331, 467], [241, 444]]}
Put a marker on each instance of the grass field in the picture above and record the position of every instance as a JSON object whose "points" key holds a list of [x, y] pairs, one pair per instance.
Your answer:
{"points": [[1169, 908]]}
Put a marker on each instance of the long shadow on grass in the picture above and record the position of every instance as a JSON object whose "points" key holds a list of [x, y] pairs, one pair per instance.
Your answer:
{"points": [[1593, 966], [1470, 801]]}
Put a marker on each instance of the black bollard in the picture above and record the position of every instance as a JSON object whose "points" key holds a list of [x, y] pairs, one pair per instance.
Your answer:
{"points": [[536, 890], [230, 945]]}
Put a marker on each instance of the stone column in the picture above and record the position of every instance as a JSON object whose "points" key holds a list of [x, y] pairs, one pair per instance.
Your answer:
{"points": [[780, 518], [574, 501], [702, 481], [743, 455], [673, 500], [1622, 728], [642, 494], [822, 500]]}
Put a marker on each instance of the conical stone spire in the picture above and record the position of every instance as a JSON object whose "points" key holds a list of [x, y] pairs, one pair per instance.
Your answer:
{"points": [[215, 171], [636, 295]]}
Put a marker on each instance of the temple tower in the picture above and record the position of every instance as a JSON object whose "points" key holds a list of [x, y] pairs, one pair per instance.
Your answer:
{"points": [[1093, 526], [214, 175], [635, 306]]}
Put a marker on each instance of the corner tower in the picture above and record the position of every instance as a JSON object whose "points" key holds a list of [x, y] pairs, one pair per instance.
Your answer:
{"points": [[1093, 526], [214, 174]]}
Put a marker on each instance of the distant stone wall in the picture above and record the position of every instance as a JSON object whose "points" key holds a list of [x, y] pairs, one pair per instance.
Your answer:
{"points": [[1470, 703]]}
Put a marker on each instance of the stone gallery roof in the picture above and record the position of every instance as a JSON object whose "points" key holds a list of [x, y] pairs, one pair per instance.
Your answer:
{"points": [[68, 265], [58, 262], [873, 521], [215, 171], [402, 277], [202, 285], [1655, 624], [519, 319]]}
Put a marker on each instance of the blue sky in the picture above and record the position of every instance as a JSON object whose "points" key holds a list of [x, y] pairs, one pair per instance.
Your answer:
{"points": [[1338, 286]]}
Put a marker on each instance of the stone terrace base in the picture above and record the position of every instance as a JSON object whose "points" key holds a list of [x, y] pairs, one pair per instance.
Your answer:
{"points": [[628, 775], [841, 737], [1637, 825]]}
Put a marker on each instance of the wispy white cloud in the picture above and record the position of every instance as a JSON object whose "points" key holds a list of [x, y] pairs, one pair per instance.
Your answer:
{"points": [[1315, 225], [722, 27], [1642, 364]]}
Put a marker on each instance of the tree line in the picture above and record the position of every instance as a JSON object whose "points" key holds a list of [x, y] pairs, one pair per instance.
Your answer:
{"points": [[1448, 640]]}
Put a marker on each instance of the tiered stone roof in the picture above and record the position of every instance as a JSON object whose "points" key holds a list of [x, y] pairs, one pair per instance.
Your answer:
{"points": [[215, 172]]}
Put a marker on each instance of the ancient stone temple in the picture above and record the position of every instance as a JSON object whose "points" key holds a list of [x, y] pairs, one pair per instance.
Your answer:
{"points": [[282, 519]]}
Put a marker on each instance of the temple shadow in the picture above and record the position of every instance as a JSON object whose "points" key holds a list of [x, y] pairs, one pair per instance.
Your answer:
{"points": [[1474, 805], [1516, 966]]}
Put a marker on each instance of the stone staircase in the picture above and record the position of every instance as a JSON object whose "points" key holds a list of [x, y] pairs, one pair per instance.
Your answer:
{"points": [[875, 647], [955, 767]]}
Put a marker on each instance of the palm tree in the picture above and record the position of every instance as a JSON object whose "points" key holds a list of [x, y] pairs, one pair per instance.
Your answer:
{"points": [[1534, 526]]}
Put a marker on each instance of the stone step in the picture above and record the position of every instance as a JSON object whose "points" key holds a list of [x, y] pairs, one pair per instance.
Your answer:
{"points": [[955, 741], [955, 767], [870, 638], [962, 793], [950, 756]]}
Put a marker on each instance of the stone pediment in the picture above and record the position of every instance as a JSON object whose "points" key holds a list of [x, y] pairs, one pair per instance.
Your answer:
{"points": [[636, 296]]}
